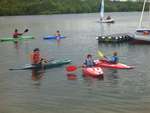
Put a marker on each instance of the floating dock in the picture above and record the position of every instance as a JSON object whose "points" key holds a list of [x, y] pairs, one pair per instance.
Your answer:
{"points": [[115, 38]]}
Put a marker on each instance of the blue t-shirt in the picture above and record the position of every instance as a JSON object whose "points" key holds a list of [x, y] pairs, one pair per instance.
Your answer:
{"points": [[114, 59]]}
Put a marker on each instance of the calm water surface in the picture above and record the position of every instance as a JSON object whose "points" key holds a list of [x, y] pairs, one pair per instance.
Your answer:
{"points": [[124, 91]]}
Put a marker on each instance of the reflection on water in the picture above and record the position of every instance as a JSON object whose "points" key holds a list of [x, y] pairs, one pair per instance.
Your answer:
{"points": [[37, 75], [71, 76], [58, 42]]}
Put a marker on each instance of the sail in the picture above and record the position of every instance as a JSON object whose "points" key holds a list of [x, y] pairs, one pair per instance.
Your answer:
{"points": [[102, 9], [140, 23], [140, 28]]}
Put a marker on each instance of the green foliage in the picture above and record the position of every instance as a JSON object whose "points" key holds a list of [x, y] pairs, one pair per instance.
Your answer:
{"points": [[33, 7]]}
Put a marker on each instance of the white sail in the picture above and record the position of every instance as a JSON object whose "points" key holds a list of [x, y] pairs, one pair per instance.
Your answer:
{"points": [[102, 19], [102, 9], [140, 23]]}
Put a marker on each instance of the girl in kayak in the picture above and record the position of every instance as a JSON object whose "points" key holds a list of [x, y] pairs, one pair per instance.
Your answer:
{"points": [[89, 62], [16, 34], [57, 34]]}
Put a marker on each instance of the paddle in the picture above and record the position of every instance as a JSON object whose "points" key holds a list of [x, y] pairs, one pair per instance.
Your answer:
{"points": [[100, 54], [25, 31], [104, 58]]}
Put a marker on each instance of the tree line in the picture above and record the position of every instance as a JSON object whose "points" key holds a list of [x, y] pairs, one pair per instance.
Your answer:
{"points": [[39, 7]]}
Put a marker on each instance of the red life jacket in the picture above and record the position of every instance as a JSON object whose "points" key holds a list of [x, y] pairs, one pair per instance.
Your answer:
{"points": [[16, 34]]}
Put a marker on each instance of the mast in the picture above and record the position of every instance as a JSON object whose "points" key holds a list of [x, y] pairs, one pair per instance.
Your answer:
{"points": [[140, 23]]}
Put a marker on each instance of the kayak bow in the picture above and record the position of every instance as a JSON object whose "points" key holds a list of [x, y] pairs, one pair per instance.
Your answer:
{"points": [[92, 71]]}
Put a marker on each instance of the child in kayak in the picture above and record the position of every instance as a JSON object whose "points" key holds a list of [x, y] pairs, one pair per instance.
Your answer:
{"points": [[113, 60], [89, 62], [16, 33], [57, 34], [36, 58]]}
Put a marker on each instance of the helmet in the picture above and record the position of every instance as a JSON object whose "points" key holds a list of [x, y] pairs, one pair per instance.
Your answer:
{"points": [[115, 53], [16, 30], [89, 55], [36, 49]]}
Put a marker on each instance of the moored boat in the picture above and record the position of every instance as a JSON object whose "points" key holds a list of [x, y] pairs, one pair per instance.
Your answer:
{"points": [[141, 39], [102, 19]]}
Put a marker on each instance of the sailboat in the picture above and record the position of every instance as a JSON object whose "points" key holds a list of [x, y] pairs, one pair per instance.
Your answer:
{"points": [[140, 29], [102, 19], [142, 35]]}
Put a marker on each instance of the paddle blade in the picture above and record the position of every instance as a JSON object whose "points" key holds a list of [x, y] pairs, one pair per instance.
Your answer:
{"points": [[71, 68], [26, 30], [100, 54]]}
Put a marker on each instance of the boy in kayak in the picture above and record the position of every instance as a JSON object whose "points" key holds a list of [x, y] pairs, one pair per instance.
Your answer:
{"points": [[113, 60], [36, 58], [89, 62], [16, 34]]}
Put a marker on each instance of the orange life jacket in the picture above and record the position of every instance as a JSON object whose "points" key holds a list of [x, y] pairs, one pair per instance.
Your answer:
{"points": [[35, 58]]}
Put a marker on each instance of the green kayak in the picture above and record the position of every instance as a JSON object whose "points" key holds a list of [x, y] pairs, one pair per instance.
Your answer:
{"points": [[16, 39], [49, 65]]}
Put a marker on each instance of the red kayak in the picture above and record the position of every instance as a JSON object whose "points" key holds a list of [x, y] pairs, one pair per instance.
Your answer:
{"points": [[92, 71], [106, 64]]}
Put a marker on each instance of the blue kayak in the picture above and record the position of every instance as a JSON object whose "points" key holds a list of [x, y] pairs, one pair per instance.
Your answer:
{"points": [[53, 37]]}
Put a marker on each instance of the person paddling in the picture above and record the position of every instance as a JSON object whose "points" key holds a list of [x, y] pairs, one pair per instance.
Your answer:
{"points": [[89, 62], [113, 60], [16, 34]]}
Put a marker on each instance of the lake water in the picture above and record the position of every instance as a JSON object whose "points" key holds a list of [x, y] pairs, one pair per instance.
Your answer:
{"points": [[124, 91]]}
